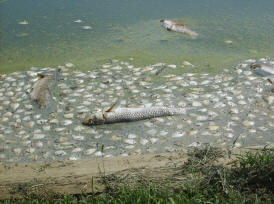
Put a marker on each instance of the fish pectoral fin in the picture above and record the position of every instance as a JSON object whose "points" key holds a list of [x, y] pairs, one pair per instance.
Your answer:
{"points": [[113, 107]]}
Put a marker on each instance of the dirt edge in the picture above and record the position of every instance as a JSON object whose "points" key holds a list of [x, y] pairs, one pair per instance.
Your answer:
{"points": [[84, 176]]}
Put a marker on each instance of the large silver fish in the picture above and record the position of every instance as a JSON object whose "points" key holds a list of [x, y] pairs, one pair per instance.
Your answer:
{"points": [[181, 28], [116, 115]]}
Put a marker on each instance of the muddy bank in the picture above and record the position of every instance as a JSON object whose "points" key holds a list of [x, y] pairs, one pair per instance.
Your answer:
{"points": [[74, 177]]}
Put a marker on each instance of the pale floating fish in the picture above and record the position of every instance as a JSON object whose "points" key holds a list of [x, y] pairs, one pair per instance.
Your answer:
{"points": [[78, 149], [24, 22], [78, 21], [69, 65], [40, 91], [86, 27], [67, 122], [262, 69], [228, 41], [116, 115], [143, 141], [60, 153], [186, 63], [130, 141], [73, 158], [78, 137], [173, 26]]}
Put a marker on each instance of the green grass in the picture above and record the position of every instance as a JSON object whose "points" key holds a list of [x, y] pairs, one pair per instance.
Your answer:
{"points": [[140, 194], [202, 180], [255, 173]]}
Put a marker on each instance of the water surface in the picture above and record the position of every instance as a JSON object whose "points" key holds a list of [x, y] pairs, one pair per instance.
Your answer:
{"points": [[124, 29]]}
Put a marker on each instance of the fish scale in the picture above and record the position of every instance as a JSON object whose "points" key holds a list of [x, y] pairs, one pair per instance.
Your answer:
{"points": [[133, 114]]}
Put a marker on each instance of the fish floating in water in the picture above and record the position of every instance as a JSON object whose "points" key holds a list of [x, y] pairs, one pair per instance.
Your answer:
{"points": [[116, 115], [262, 69], [177, 27], [40, 92]]}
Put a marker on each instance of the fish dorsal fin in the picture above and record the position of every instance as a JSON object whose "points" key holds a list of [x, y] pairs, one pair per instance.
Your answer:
{"points": [[113, 107]]}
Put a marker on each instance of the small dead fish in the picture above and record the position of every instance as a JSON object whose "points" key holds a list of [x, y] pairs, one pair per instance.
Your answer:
{"points": [[116, 115], [24, 22], [262, 69], [41, 89], [181, 28]]}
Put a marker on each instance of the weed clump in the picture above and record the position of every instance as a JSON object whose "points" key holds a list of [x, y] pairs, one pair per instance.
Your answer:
{"points": [[254, 172], [250, 177]]}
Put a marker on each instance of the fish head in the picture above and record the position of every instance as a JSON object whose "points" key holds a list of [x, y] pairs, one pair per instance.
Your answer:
{"points": [[166, 23], [96, 119], [255, 66]]}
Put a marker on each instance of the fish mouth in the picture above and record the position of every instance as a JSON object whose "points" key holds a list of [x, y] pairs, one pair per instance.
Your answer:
{"points": [[87, 122], [162, 21], [96, 119]]}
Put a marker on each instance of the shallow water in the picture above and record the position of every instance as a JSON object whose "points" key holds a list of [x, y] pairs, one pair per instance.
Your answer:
{"points": [[230, 109], [131, 29]]}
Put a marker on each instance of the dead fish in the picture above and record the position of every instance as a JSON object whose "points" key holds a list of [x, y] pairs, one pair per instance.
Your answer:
{"points": [[181, 28], [262, 69], [116, 114], [40, 91]]}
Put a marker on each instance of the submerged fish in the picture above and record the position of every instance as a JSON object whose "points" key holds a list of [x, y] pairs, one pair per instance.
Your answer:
{"points": [[181, 28], [116, 115]]}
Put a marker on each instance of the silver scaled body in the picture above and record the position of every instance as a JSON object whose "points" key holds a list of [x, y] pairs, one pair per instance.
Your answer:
{"points": [[131, 114]]}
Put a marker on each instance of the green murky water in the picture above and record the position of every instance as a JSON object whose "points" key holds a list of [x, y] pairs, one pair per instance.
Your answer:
{"points": [[124, 29]]}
